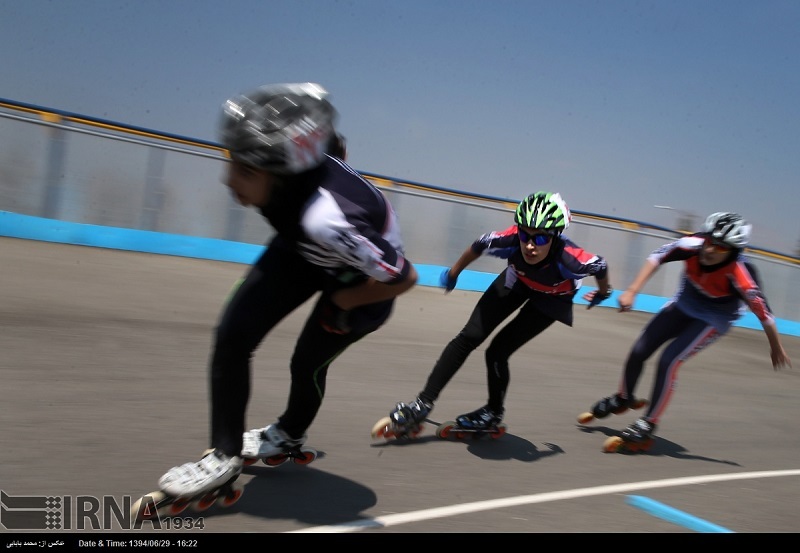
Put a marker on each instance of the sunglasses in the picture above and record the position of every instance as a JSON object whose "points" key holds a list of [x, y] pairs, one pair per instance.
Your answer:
{"points": [[538, 239], [717, 247]]}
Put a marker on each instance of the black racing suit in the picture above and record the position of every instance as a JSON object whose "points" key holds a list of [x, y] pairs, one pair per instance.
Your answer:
{"points": [[543, 293], [334, 230]]}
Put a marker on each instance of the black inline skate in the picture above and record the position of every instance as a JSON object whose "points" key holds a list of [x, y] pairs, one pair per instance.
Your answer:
{"points": [[406, 421], [478, 423], [611, 405], [638, 437]]}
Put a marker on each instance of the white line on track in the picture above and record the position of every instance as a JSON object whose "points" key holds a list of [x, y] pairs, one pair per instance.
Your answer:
{"points": [[453, 510]]}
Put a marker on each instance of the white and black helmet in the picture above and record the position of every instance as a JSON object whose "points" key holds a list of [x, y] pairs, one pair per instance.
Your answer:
{"points": [[282, 128], [729, 228]]}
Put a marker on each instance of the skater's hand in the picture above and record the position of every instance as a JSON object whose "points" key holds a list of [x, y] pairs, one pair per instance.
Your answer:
{"points": [[780, 359], [625, 300], [596, 297], [334, 319], [446, 282]]}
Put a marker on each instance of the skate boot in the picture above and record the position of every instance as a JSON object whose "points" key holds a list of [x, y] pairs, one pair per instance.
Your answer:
{"points": [[637, 437], [199, 484], [405, 421], [477, 423], [213, 471], [481, 419], [611, 405], [274, 447]]}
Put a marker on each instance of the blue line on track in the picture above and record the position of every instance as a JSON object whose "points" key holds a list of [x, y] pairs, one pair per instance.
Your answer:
{"points": [[673, 515]]}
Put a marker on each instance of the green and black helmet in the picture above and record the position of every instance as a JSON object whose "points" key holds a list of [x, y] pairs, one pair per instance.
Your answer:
{"points": [[544, 211]]}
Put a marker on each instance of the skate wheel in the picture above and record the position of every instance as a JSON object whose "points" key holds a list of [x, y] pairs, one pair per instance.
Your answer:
{"points": [[612, 444], [382, 428], [178, 506], [148, 510], [306, 456], [205, 503], [229, 498], [634, 447], [586, 417], [501, 429], [416, 431], [444, 430], [275, 460], [248, 462]]}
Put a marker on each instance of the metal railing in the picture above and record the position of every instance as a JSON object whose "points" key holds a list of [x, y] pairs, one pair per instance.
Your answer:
{"points": [[72, 167]]}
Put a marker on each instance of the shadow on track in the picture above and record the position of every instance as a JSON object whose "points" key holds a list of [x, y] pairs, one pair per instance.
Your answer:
{"points": [[507, 447], [660, 447]]}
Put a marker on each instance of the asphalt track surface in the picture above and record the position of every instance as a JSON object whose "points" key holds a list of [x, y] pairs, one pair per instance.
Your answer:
{"points": [[104, 378]]}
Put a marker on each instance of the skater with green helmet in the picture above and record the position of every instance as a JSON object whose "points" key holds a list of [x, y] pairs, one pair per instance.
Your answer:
{"points": [[543, 274]]}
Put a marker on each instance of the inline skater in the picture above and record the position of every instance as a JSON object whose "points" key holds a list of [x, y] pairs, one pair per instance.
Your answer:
{"points": [[336, 234], [718, 282], [544, 272]]}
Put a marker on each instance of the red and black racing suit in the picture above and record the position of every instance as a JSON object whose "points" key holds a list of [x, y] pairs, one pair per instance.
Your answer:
{"points": [[707, 302], [543, 293]]}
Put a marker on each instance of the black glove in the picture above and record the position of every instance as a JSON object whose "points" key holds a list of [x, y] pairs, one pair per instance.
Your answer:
{"points": [[334, 319], [599, 298]]}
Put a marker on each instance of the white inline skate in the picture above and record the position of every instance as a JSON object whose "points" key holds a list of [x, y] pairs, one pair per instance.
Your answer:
{"points": [[198, 484], [274, 447]]}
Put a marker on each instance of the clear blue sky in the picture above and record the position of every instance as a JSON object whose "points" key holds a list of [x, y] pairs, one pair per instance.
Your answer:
{"points": [[619, 105]]}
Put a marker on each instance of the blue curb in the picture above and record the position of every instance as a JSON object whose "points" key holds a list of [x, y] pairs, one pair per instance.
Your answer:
{"points": [[675, 516], [14, 225]]}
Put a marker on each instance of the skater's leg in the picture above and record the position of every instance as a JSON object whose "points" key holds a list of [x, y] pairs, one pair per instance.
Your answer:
{"points": [[260, 302], [494, 306], [665, 325], [695, 336], [316, 349], [529, 323]]}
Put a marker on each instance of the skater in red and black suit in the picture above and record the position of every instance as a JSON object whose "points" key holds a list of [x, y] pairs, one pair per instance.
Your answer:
{"points": [[717, 284], [545, 270]]}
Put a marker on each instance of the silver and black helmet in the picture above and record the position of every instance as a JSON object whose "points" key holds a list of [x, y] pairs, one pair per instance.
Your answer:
{"points": [[282, 128], [728, 228]]}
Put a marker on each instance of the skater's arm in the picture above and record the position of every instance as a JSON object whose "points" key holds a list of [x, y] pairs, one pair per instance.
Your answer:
{"points": [[449, 277], [373, 291], [604, 286], [627, 297], [466, 258], [777, 353]]}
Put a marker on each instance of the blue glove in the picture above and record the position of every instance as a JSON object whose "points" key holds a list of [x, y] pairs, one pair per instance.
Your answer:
{"points": [[446, 282]]}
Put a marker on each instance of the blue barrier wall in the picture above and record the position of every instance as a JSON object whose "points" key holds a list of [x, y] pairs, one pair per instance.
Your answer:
{"points": [[28, 227]]}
